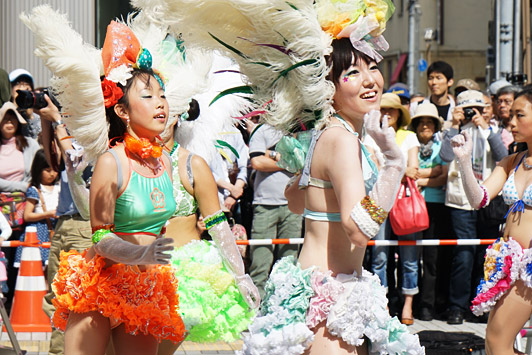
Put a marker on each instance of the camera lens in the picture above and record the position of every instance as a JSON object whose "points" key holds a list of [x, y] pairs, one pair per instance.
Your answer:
{"points": [[27, 99], [469, 113]]}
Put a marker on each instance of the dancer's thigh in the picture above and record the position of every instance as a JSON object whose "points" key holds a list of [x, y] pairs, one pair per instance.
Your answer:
{"points": [[87, 333], [325, 343], [127, 344]]}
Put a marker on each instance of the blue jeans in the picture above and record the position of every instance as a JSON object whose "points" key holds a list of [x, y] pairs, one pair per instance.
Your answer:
{"points": [[465, 227], [407, 255]]}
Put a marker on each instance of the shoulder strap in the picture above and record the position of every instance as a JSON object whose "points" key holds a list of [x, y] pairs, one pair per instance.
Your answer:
{"points": [[305, 174], [119, 178], [190, 174]]}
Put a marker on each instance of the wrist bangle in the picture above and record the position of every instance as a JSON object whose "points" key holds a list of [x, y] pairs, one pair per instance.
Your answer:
{"points": [[273, 154], [58, 123]]}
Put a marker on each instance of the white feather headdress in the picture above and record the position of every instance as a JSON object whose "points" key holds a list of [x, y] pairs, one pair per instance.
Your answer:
{"points": [[271, 40], [77, 68]]}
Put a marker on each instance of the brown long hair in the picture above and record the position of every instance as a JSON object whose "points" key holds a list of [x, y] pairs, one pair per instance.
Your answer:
{"points": [[20, 141]]}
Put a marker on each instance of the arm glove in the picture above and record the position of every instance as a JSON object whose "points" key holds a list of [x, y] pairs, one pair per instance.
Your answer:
{"points": [[115, 248], [225, 241], [462, 148], [371, 212], [74, 166]]}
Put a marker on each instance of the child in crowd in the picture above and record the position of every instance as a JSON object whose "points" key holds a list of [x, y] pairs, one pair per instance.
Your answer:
{"points": [[41, 201]]}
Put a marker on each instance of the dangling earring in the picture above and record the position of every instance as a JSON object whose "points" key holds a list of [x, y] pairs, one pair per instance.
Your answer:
{"points": [[127, 124]]}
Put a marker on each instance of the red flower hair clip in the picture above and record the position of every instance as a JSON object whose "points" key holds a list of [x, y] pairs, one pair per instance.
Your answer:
{"points": [[111, 93]]}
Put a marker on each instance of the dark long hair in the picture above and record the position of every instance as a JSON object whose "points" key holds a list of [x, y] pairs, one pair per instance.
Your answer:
{"points": [[39, 164], [117, 127], [20, 141], [342, 57]]}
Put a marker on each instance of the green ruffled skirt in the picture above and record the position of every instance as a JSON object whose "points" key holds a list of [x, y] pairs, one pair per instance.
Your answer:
{"points": [[210, 303]]}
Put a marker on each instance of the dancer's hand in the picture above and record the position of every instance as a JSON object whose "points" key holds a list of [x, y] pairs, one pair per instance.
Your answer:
{"points": [[383, 135], [249, 290], [462, 146], [155, 253]]}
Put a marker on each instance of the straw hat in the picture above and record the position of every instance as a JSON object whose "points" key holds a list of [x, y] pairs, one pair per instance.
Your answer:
{"points": [[427, 110], [7, 106], [390, 100]]}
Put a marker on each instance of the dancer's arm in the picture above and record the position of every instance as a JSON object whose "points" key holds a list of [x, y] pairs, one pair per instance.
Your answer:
{"points": [[362, 215], [206, 194], [102, 207], [477, 194]]}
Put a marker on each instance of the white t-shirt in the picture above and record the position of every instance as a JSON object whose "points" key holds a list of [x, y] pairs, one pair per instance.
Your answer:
{"points": [[409, 142]]}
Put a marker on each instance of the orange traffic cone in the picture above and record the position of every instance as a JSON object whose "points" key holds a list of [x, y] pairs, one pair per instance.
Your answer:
{"points": [[26, 313]]}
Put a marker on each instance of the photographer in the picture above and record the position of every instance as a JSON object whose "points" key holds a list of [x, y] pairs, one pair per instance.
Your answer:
{"points": [[22, 80], [487, 150]]}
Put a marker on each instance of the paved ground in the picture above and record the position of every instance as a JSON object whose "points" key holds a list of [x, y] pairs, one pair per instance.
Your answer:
{"points": [[37, 343]]}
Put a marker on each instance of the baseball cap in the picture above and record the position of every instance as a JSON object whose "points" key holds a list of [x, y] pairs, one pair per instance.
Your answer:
{"points": [[400, 89], [470, 98], [20, 73]]}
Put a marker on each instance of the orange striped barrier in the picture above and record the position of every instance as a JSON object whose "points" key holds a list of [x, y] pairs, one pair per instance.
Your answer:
{"points": [[425, 242], [26, 313]]}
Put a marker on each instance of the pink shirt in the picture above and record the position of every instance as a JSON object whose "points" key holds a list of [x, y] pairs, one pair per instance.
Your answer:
{"points": [[11, 161]]}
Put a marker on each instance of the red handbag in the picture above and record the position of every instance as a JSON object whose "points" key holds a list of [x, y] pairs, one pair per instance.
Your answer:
{"points": [[409, 213]]}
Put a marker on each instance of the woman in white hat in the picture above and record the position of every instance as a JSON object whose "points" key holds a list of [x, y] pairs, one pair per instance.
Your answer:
{"points": [[432, 177]]}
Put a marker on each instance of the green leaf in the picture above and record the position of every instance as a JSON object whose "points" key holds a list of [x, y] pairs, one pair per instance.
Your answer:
{"points": [[225, 144], [236, 90], [292, 5]]}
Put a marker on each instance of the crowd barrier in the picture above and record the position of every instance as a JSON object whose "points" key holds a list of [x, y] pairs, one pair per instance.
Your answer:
{"points": [[425, 242]]}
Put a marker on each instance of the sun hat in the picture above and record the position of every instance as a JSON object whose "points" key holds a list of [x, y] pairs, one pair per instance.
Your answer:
{"points": [[470, 98], [19, 73], [426, 110], [390, 100], [11, 106]]}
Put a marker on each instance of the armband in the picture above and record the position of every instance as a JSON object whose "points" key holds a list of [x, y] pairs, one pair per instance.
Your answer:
{"points": [[215, 219], [368, 216], [99, 232], [485, 199]]}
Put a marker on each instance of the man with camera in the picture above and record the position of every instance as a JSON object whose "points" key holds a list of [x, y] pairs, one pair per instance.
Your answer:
{"points": [[487, 150]]}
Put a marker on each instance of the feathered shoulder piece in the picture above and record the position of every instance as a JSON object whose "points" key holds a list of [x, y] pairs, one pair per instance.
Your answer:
{"points": [[86, 79], [76, 67], [278, 45]]}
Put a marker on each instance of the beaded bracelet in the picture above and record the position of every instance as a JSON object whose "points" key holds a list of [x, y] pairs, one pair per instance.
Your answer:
{"points": [[215, 219], [376, 212], [99, 235]]}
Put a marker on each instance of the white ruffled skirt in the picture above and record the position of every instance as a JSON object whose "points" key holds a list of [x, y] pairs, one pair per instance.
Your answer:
{"points": [[354, 308]]}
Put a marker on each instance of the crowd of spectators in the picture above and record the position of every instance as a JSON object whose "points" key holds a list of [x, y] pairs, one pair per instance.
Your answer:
{"points": [[422, 283]]}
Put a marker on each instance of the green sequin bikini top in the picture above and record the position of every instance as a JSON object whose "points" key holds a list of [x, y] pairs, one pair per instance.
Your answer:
{"points": [[186, 203]]}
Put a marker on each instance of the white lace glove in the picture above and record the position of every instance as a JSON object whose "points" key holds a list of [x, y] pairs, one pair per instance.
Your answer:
{"points": [[385, 189], [462, 147], [372, 211], [225, 241], [115, 248], [75, 164]]}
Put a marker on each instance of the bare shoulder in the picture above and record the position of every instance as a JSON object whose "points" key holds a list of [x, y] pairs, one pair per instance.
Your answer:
{"points": [[510, 162], [338, 141]]}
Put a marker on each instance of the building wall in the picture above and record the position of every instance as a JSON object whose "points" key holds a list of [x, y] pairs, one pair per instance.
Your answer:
{"points": [[465, 37], [16, 41]]}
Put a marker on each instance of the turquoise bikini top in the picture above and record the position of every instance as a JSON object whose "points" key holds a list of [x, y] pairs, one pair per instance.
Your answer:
{"points": [[369, 172], [185, 202], [146, 203]]}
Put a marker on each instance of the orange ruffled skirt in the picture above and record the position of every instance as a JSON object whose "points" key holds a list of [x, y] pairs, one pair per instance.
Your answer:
{"points": [[144, 301]]}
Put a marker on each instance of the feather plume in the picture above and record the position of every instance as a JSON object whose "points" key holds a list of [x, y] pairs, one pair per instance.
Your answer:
{"points": [[253, 32], [76, 67]]}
